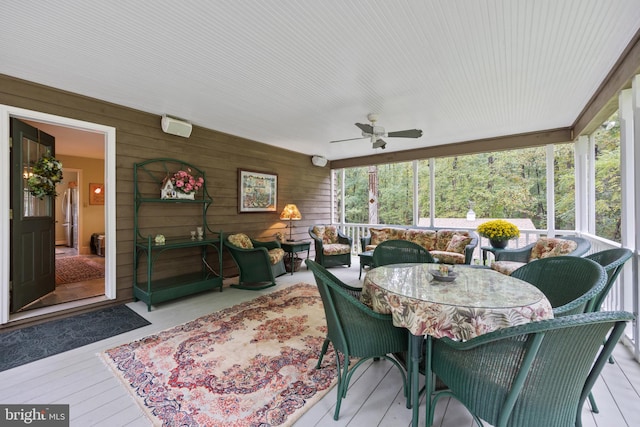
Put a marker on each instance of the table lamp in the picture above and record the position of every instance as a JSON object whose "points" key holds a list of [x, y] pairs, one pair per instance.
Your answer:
{"points": [[291, 213]]}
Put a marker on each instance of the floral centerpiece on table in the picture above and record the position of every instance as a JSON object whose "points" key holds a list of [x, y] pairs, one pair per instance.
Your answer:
{"points": [[44, 176], [186, 183], [498, 231]]}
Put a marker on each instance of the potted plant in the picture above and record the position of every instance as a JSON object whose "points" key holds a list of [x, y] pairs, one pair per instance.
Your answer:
{"points": [[499, 232]]}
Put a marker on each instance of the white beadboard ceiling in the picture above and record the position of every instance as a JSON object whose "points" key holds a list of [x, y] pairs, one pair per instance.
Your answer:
{"points": [[297, 74]]}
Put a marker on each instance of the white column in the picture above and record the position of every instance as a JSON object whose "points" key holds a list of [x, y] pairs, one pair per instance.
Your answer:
{"points": [[432, 191], [627, 170], [591, 183], [583, 202], [632, 137], [551, 206], [416, 192]]}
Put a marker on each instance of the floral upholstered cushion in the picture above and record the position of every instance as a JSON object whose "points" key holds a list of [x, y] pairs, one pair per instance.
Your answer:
{"points": [[379, 235], [335, 249], [445, 236], [318, 230], [548, 247], [437, 242], [424, 238], [241, 240], [444, 257], [276, 255], [506, 267], [328, 234], [458, 243]]}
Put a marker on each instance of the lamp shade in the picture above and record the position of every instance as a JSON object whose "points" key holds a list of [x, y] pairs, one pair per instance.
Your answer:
{"points": [[290, 212]]}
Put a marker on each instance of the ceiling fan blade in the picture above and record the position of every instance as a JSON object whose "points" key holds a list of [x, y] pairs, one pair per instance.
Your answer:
{"points": [[409, 133], [349, 139], [365, 128]]}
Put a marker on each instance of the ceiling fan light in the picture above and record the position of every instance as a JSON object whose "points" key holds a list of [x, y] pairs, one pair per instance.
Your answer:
{"points": [[380, 143]]}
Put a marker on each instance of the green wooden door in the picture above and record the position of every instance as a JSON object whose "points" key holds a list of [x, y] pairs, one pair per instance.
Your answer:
{"points": [[33, 219]]}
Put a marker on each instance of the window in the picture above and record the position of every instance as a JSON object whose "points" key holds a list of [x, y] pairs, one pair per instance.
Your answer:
{"points": [[504, 184]]}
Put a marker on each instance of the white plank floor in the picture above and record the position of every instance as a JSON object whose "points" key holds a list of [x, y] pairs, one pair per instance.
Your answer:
{"points": [[96, 398]]}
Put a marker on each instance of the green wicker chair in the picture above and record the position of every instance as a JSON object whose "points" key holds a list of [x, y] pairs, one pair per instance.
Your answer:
{"points": [[613, 261], [254, 265], [319, 243], [532, 375], [522, 254], [355, 331], [570, 283], [508, 260], [400, 251]]}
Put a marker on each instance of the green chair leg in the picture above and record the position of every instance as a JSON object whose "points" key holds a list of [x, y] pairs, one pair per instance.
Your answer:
{"points": [[325, 346], [592, 402]]}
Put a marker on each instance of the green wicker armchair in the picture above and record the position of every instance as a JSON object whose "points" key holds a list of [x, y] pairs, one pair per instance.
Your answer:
{"points": [[570, 283], [332, 248], [532, 375], [508, 260], [612, 260], [400, 251], [355, 330], [259, 263]]}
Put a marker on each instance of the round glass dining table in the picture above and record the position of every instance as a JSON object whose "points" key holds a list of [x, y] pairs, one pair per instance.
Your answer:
{"points": [[476, 301]]}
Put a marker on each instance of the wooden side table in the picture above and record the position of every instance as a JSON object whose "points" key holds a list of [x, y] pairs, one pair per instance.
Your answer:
{"points": [[294, 247]]}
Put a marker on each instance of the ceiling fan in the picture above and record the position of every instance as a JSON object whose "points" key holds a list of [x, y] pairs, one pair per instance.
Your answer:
{"points": [[376, 133]]}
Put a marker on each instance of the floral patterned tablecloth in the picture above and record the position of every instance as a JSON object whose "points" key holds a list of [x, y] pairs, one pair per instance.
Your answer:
{"points": [[478, 301]]}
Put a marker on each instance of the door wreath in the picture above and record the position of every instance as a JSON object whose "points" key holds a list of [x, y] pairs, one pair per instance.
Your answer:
{"points": [[45, 174]]}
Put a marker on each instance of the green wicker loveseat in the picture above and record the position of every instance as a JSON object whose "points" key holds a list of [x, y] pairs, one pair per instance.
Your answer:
{"points": [[509, 260], [449, 246], [259, 262]]}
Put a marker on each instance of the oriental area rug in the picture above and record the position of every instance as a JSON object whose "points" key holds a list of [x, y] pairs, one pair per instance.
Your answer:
{"points": [[252, 364], [77, 269]]}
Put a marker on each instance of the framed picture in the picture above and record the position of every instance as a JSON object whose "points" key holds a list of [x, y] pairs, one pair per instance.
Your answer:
{"points": [[96, 194], [257, 191]]}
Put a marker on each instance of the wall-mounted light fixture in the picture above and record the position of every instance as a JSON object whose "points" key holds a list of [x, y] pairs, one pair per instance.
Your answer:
{"points": [[319, 161], [175, 126], [96, 194]]}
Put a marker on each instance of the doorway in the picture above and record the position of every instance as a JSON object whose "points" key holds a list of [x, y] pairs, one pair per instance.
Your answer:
{"points": [[106, 136]]}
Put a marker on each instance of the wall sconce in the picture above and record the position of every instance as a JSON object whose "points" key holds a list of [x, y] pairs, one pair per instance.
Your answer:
{"points": [[96, 194], [291, 213], [319, 161]]}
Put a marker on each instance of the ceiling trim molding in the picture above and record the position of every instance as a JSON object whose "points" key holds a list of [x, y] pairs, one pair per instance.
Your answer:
{"points": [[525, 140], [605, 101]]}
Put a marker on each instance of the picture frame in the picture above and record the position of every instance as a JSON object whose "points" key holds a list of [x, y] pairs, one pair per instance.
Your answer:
{"points": [[257, 191], [96, 194]]}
